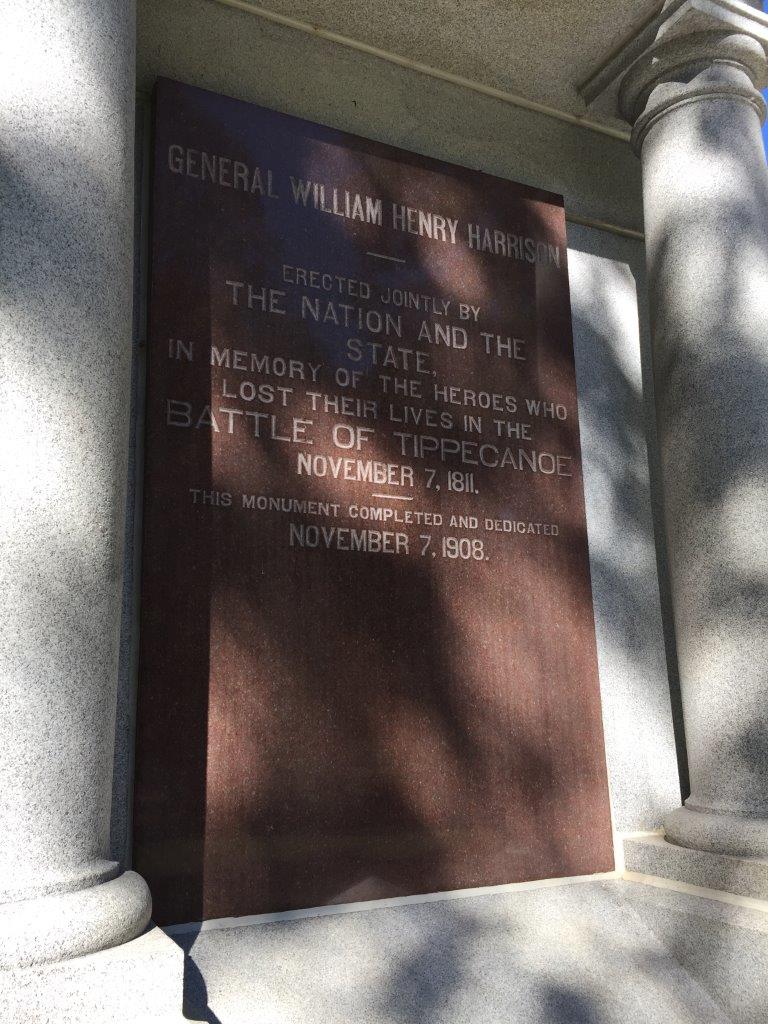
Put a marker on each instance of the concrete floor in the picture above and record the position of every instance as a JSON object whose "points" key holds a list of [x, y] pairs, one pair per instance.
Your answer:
{"points": [[610, 952]]}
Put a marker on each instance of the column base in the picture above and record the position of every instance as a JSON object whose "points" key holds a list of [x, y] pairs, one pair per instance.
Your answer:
{"points": [[52, 928], [728, 834]]}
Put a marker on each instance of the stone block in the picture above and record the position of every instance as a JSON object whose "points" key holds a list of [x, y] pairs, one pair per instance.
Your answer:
{"points": [[653, 855], [139, 982], [634, 685], [722, 948], [564, 954]]}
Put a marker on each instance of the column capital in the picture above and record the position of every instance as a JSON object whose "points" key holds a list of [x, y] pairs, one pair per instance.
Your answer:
{"points": [[691, 50]]}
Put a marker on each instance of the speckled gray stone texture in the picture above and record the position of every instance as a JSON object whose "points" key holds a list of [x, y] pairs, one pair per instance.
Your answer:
{"points": [[121, 832], [592, 953], [615, 87], [637, 712], [706, 208], [734, 834], [51, 928], [654, 855], [228, 51], [140, 982], [539, 50], [66, 266], [723, 948], [575, 954]]}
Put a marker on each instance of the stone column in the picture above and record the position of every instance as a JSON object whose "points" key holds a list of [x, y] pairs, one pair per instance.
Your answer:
{"points": [[690, 91], [67, 69]]}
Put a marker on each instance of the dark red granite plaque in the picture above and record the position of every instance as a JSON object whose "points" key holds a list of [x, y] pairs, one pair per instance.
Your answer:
{"points": [[368, 663]]}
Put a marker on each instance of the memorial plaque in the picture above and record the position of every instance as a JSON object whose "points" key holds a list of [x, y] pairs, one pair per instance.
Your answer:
{"points": [[368, 664]]}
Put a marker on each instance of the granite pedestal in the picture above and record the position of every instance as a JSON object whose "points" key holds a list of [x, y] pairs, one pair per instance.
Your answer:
{"points": [[585, 953]]}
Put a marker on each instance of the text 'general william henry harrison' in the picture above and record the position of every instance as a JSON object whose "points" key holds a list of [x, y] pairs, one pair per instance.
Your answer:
{"points": [[219, 171]]}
